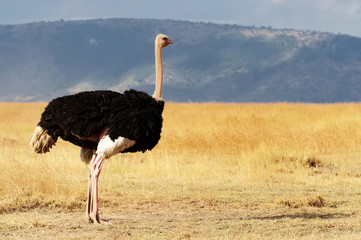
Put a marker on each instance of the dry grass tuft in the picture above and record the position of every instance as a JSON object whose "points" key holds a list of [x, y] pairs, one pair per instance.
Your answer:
{"points": [[314, 162], [315, 201]]}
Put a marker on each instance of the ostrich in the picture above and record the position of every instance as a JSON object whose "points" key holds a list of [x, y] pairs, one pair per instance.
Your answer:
{"points": [[104, 123]]}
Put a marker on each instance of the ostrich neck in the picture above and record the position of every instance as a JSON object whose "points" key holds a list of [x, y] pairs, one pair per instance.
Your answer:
{"points": [[159, 73]]}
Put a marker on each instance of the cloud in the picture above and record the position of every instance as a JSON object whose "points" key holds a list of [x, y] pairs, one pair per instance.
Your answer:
{"points": [[321, 15], [84, 86], [355, 10], [93, 42], [277, 1]]}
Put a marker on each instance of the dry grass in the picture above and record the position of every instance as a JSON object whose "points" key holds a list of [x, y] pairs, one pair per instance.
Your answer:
{"points": [[221, 171]]}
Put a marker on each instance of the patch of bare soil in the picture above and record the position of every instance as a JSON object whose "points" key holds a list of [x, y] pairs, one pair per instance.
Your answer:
{"points": [[187, 219]]}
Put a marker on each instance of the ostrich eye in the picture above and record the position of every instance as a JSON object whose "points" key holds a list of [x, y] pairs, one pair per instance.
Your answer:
{"points": [[165, 38]]}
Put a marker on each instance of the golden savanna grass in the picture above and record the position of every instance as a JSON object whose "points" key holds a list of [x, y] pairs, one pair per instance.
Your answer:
{"points": [[220, 171]]}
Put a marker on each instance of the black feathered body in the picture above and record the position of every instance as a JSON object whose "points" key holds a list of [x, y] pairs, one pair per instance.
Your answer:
{"points": [[134, 115]]}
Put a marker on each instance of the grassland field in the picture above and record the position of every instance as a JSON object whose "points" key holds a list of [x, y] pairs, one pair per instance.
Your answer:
{"points": [[220, 171]]}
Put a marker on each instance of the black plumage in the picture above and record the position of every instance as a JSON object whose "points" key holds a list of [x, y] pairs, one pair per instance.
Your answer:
{"points": [[134, 115]]}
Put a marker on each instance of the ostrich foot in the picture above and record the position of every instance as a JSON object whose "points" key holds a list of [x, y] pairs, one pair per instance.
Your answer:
{"points": [[98, 220], [104, 221]]}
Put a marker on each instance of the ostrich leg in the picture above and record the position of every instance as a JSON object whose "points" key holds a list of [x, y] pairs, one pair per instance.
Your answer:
{"points": [[92, 206], [95, 166], [89, 196]]}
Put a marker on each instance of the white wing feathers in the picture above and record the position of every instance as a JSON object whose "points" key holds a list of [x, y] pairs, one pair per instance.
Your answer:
{"points": [[107, 147]]}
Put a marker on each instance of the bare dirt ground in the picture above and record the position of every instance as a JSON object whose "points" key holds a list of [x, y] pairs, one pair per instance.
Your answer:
{"points": [[187, 219]]}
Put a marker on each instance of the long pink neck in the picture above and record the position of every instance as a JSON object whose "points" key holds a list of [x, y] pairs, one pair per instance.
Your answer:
{"points": [[159, 73]]}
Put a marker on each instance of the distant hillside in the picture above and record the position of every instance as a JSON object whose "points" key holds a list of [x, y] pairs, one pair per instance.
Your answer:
{"points": [[208, 62]]}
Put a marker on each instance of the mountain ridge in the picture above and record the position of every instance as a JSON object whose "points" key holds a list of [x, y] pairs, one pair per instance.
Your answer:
{"points": [[208, 63]]}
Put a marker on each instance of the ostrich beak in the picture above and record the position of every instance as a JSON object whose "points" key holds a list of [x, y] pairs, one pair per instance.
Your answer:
{"points": [[170, 41]]}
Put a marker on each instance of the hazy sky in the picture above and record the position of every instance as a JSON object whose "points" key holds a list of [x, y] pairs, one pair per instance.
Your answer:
{"points": [[338, 16]]}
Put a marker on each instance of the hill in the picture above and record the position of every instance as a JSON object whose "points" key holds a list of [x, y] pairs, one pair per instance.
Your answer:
{"points": [[209, 62]]}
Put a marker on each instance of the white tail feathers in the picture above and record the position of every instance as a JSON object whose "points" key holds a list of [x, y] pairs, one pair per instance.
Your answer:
{"points": [[41, 142]]}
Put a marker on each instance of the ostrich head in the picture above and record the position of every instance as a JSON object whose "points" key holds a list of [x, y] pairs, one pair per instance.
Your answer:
{"points": [[163, 40]]}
